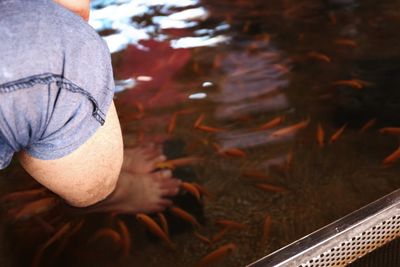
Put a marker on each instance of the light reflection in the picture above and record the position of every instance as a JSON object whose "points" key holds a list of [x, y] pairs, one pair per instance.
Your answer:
{"points": [[144, 78], [128, 21], [198, 96], [121, 85], [190, 42], [207, 84]]}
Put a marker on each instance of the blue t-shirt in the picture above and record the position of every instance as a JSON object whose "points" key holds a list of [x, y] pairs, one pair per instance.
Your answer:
{"points": [[56, 80]]}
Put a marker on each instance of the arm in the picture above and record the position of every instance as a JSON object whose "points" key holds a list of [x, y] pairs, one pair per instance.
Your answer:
{"points": [[87, 175]]}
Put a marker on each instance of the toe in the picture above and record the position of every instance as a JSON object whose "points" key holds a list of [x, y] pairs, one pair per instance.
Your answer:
{"points": [[159, 159], [162, 175], [164, 202]]}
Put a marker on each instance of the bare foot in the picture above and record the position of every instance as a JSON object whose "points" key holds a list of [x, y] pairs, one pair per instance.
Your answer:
{"points": [[142, 159], [144, 192], [135, 193]]}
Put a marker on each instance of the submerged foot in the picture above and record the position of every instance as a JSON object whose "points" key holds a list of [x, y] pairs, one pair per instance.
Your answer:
{"points": [[142, 159], [146, 192]]}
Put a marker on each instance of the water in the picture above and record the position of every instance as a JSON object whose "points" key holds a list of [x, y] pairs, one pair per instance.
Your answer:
{"points": [[242, 64]]}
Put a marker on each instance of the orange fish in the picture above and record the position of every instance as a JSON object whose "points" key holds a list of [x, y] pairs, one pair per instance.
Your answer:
{"points": [[191, 189], [184, 215], [356, 84], [203, 190], [153, 227], [291, 129], [217, 255], [172, 123], [281, 68], [179, 162], [125, 238], [346, 42], [390, 130], [202, 238], [217, 62], [288, 159], [25, 194], [320, 135], [266, 229], [271, 188], [230, 223], [163, 222], [392, 157], [272, 123], [106, 232], [319, 56], [337, 134], [234, 152], [256, 174], [219, 235], [199, 120], [368, 125], [332, 18], [36, 207], [209, 129], [39, 254]]}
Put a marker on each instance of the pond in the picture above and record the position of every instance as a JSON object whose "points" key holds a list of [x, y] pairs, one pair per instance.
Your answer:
{"points": [[281, 103]]}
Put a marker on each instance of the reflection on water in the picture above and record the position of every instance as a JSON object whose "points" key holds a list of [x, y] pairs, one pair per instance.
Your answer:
{"points": [[128, 22], [260, 90]]}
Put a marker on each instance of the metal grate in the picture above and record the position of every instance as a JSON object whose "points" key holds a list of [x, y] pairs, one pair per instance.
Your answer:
{"points": [[344, 241], [358, 246]]}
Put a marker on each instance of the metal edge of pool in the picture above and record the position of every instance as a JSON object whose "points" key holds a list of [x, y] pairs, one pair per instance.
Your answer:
{"points": [[294, 253]]}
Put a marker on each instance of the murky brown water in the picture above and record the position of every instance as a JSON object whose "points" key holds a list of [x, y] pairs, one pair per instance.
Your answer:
{"points": [[292, 59]]}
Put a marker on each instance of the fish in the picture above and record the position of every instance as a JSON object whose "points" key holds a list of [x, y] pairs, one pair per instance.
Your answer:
{"points": [[288, 159], [368, 125], [35, 207], [25, 194], [216, 255], [255, 174], [266, 229], [390, 130], [319, 56], [337, 134], [332, 18], [39, 254], [209, 129], [230, 223], [179, 162], [320, 135], [271, 188], [163, 222], [219, 235], [202, 238], [125, 238], [153, 227], [191, 189], [234, 152], [202, 189], [106, 232], [392, 157], [199, 120], [346, 42], [184, 215], [356, 84], [272, 123], [281, 68], [291, 129], [172, 123]]}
